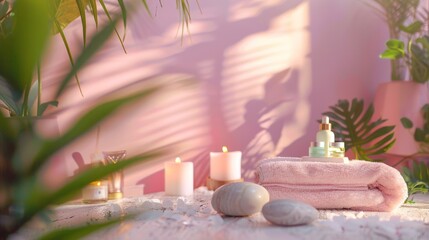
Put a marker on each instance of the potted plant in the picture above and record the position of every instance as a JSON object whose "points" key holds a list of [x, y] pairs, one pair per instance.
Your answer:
{"points": [[408, 51], [23, 152]]}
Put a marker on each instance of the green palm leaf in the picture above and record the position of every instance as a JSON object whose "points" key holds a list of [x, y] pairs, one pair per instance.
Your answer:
{"points": [[67, 11], [22, 49], [124, 16], [352, 122], [185, 16], [81, 6], [69, 54], [96, 43], [106, 11], [417, 179], [93, 7], [146, 6]]}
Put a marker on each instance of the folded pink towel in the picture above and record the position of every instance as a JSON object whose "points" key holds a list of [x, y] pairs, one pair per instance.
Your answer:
{"points": [[358, 185]]}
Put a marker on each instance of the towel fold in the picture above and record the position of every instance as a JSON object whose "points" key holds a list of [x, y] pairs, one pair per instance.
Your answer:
{"points": [[358, 185]]}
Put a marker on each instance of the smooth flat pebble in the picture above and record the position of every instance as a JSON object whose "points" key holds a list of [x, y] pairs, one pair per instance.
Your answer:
{"points": [[239, 199], [286, 212]]}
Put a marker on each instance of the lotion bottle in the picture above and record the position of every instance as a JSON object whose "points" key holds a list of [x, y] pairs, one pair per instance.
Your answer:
{"points": [[325, 134]]}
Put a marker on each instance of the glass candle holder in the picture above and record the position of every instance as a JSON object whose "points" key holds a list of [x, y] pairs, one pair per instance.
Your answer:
{"points": [[116, 179]]}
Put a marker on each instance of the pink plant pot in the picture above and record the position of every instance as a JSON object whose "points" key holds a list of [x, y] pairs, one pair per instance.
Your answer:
{"points": [[397, 99], [395, 161]]}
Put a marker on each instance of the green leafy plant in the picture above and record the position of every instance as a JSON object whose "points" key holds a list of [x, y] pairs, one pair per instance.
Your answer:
{"points": [[352, 122], [415, 56], [396, 13], [421, 135], [23, 151], [417, 179], [408, 46]]}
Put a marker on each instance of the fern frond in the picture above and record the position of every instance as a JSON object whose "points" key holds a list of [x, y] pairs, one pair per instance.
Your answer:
{"points": [[353, 123]]}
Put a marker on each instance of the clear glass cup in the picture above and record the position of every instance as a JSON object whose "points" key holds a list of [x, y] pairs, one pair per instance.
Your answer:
{"points": [[116, 179]]}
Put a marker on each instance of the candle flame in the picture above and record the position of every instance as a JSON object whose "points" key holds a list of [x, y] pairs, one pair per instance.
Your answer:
{"points": [[224, 149], [178, 160]]}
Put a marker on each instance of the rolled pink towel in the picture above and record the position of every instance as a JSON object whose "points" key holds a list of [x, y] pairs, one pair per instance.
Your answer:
{"points": [[358, 185]]}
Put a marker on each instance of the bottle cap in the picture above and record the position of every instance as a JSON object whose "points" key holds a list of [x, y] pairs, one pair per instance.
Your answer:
{"points": [[325, 119], [325, 125]]}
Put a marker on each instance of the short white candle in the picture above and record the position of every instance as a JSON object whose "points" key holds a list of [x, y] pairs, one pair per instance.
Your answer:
{"points": [[225, 166], [179, 178]]}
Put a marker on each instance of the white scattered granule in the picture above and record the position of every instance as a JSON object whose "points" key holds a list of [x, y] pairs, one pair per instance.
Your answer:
{"points": [[153, 204], [168, 204], [360, 214], [166, 217]]}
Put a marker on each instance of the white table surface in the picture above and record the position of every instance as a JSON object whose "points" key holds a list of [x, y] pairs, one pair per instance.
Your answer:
{"points": [[162, 217]]}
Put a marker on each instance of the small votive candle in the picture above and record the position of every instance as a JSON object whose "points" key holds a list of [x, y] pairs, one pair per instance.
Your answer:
{"points": [[95, 192], [179, 178], [225, 166]]}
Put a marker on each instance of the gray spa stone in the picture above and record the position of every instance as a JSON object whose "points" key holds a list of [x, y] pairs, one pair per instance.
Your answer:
{"points": [[240, 199], [289, 213]]}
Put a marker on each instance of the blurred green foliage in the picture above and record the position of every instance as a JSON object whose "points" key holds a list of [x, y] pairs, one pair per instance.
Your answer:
{"points": [[417, 179], [24, 153]]}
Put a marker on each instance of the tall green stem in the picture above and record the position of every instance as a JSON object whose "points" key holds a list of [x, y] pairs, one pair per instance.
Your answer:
{"points": [[396, 73], [356, 153]]}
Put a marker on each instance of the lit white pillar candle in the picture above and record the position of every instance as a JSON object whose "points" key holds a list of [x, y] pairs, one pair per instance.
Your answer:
{"points": [[225, 166], [179, 178]]}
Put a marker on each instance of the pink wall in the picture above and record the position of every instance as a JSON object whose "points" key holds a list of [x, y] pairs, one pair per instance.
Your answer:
{"points": [[263, 72]]}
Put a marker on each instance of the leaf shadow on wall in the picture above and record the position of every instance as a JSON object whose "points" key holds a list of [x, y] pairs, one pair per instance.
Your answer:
{"points": [[261, 131], [241, 100], [258, 136]]}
